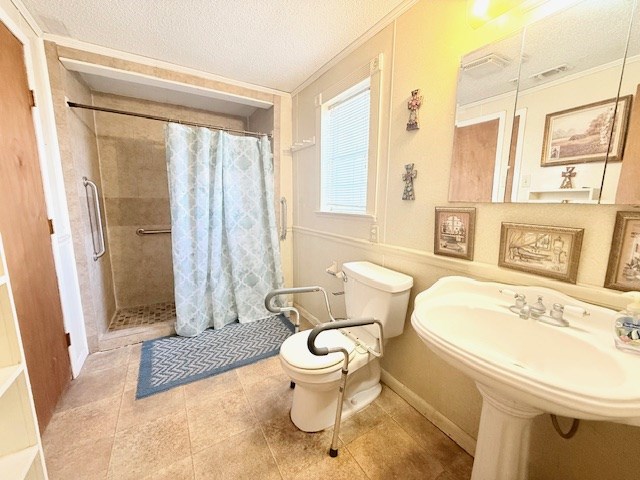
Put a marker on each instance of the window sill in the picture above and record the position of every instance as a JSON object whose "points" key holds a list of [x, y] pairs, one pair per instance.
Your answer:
{"points": [[350, 216]]}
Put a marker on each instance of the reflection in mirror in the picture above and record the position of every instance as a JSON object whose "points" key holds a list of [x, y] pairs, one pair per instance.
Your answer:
{"points": [[552, 144], [487, 85], [569, 79], [622, 180]]}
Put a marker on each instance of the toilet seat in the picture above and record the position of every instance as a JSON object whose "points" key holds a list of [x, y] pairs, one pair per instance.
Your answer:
{"points": [[296, 353]]}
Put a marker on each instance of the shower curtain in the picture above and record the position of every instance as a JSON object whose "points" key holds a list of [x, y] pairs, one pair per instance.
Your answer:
{"points": [[226, 254]]}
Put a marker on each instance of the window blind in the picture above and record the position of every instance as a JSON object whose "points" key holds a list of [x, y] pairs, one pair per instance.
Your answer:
{"points": [[345, 152]]}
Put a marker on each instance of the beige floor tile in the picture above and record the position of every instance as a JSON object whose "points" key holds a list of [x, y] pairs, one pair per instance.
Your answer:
{"points": [[452, 457], [92, 386], [460, 468], [118, 357], [362, 422], [449, 476], [218, 418], [149, 448], [86, 460], [180, 470], [209, 388], [293, 449], [387, 451], [270, 398], [259, 370], [342, 467], [88, 422], [243, 456], [136, 412], [390, 401], [133, 366]]}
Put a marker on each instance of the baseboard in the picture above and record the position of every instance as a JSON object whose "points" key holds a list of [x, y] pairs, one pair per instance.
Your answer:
{"points": [[462, 438]]}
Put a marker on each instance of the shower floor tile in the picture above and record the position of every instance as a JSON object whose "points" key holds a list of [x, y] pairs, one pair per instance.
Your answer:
{"points": [[143, 315]]}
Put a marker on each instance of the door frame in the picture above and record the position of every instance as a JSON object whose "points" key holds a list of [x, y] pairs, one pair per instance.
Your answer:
{"points": [[24, 28]]}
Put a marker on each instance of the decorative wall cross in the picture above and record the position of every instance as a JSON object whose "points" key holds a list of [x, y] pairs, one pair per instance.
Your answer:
{"points": [[408, 177], [414, 105], [567, 176]]}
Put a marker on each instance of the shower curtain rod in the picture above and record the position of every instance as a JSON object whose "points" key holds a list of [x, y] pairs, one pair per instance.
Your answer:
{"points": [[164, 119]]}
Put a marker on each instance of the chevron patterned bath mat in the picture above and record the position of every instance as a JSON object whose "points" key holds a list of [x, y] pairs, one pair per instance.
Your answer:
{"points": [[172, 361]]}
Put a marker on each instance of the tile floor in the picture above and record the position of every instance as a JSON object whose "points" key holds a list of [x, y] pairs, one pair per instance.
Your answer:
{"points": [[232, 426], [143, 315]]}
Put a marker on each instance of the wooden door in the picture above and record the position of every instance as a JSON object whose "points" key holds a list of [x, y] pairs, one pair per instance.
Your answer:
{"points": [[25, 231], [473, 162]]}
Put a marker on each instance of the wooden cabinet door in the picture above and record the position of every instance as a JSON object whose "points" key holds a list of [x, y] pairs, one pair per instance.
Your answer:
{"points": [[25, 231]]}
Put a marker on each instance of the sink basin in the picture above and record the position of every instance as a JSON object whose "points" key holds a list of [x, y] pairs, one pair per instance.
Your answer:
{"points": [[524, 367]]}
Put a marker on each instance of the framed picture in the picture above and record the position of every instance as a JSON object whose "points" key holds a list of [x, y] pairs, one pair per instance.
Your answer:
{"points": [[623, 272], [542, 250], [454, 232], [582, 134]]}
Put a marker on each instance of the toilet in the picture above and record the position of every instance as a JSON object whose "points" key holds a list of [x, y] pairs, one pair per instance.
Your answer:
{"points": [[369, 291]]}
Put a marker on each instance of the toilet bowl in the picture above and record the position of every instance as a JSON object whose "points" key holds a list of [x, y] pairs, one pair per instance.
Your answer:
{"points": [[370, 291]]}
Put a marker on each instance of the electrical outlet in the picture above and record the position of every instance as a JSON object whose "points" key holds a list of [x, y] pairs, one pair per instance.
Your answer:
{"points": [[373, 233], [526, 181]]}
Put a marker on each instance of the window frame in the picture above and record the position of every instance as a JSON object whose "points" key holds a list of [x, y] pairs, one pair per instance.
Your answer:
{"points": [[334, 94]]}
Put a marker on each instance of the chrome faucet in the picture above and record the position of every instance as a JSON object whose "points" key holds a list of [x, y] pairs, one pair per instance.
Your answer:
{"points": [[537, 309]]}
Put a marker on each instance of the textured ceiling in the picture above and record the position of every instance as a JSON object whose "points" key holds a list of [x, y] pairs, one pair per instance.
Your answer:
{"points": [[272, 43], [587, 35]]}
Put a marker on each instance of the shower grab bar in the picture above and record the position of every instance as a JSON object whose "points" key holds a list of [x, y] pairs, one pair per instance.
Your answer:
{"points": [[283, 218], [96, 206], [333, 450], [142, 231]]}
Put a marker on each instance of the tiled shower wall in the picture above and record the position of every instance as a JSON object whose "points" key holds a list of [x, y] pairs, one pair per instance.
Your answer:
{"points": [[136, 194], [79, 157]]}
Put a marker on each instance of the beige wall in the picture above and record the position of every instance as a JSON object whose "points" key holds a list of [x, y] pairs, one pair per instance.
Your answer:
{"points": [[79, 157], [136, 194], [422, 50]]}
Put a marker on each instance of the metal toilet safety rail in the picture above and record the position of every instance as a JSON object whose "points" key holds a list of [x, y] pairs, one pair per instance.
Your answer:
{"points": [[321, 351]]}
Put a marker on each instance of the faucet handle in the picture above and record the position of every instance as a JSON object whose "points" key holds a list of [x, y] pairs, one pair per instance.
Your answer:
{"points": [[557, 315], [520, 298]]}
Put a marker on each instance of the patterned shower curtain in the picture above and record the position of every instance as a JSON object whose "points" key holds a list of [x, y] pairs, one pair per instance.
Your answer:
{"points": [[226, 254]]}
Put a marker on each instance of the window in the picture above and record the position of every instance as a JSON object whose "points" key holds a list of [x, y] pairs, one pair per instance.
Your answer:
{"points": [[346, 123], [348, 128]]}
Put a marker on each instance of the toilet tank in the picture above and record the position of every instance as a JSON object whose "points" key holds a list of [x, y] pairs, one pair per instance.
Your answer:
{"points": [[374, 291]]}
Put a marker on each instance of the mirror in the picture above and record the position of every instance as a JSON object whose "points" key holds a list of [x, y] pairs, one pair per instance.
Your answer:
{"points": [[621, 183], [541, 123], [487, 88]]}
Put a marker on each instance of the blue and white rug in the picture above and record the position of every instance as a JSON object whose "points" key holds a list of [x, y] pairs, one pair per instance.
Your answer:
{"points": [[172, 361]]}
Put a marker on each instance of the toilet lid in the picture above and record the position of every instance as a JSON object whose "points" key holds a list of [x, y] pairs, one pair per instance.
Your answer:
{"points": [[295, 351]]}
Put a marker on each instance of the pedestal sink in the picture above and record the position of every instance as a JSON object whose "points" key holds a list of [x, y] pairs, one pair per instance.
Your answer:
{"points": [[524, 367]]}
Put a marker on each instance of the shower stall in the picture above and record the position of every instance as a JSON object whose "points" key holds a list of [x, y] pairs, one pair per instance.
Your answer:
{"points": [[115, 175]]}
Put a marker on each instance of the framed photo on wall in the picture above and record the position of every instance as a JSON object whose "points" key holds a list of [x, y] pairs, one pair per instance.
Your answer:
{"points": [[623, 271], [582, 134], [549, 251], [454, 232]]}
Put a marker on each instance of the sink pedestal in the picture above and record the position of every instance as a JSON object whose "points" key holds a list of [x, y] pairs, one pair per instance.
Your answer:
{"points": [[502, 451]]}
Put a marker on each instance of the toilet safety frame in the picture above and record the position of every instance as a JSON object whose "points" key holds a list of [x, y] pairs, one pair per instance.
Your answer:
{"points": [[333, 324]]}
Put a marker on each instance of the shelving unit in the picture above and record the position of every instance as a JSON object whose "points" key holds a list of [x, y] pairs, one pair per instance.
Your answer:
{"points": [[20, 446], [565, 195]]}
